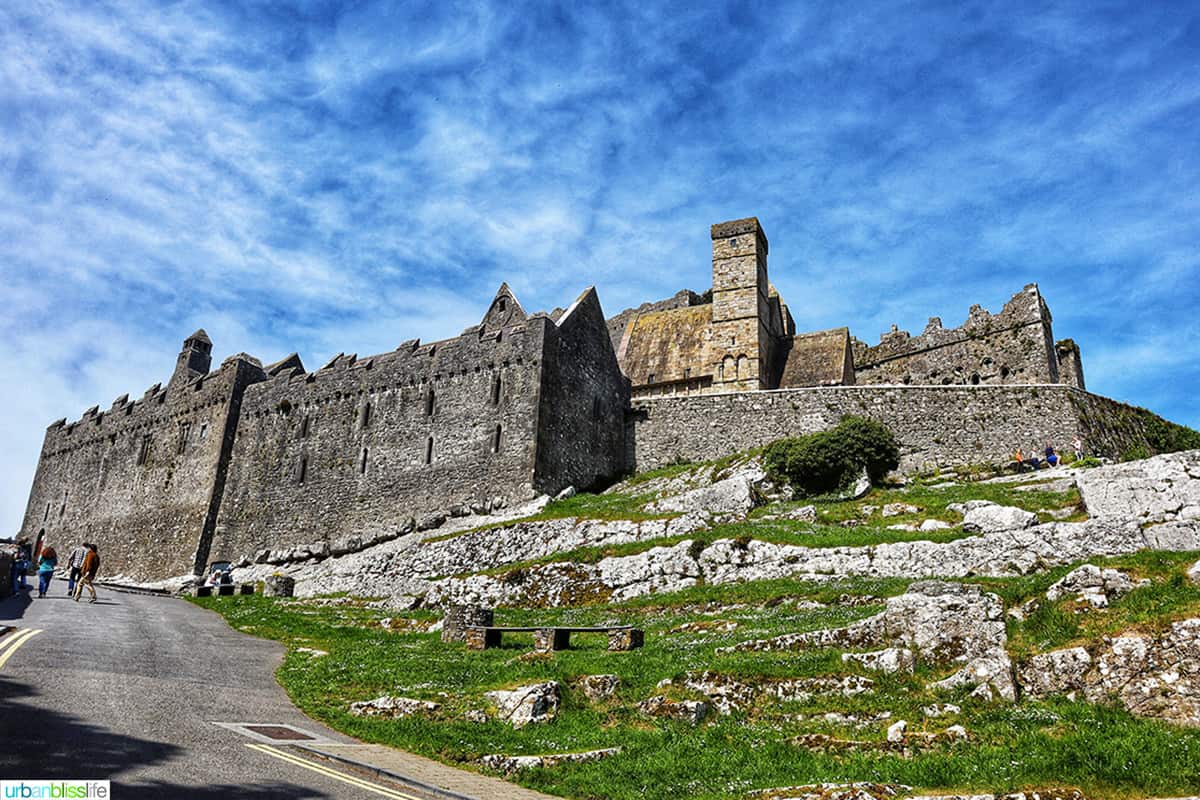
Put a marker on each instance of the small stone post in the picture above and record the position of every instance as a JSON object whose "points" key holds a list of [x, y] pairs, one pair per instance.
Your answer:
{"points": [[279, 586], [459, 618]]}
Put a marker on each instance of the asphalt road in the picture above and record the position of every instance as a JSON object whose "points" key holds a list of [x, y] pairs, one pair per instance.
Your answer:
{"points": [[128, 689]]}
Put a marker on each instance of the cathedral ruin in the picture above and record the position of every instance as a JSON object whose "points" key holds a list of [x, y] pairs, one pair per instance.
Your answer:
{"points": [[222, 463]]}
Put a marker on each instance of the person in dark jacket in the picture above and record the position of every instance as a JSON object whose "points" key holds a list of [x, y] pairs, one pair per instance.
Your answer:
{"points": [[87, 573]]}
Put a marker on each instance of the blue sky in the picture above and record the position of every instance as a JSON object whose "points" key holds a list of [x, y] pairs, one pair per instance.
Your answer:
{"points": [[342, 177]]}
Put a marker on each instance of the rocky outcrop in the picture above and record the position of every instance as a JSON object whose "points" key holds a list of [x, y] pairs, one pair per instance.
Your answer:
{"points": [[692, 712], [599, 687], [663, 569], [511, 764], [388, 706], [888, 660], [991, 518], [730, 497], [1151, 675], [1165, 488], [527, 704], [945, 623], [1093, 585], [728, 694], [405, 567]]}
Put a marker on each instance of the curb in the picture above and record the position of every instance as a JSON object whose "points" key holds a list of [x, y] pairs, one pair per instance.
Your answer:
{"points": [[381, 772], [120, 587]]}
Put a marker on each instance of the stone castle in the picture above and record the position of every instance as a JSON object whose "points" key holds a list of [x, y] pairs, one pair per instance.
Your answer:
{"points": [[218, 464]]}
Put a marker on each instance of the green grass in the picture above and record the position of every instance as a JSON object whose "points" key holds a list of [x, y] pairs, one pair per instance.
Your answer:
{"points": [[1102, 750]]}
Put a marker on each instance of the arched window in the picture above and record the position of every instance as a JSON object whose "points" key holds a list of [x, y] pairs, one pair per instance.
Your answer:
{"points": [[496, 391], [742, 370], [429, 450], [429, 401], [365, 415], [496, 440], [728, 368], [362, 467]]}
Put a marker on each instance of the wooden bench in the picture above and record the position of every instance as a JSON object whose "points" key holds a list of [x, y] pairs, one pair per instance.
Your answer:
{"points": [[545, 640]]}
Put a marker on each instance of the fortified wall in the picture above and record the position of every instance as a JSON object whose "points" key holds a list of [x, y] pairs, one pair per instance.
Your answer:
{"points": [[513, 407], [936, 426], [244, 459], [1014, 346], [143, 480], [219, 464]]}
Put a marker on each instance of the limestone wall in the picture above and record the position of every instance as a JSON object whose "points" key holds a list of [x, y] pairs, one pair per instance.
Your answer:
{"points": [[141, 480], [582, 402], [936, 425], [1015, 346], [359, 446]]}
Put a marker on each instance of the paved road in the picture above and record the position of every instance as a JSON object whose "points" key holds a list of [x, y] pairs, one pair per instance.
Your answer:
{"points": [[128, 689]]}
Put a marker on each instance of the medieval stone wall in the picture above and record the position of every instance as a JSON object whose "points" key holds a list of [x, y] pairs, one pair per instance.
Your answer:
{"points": [[1015, 346], [141, 480], [935, 425], [581, 439], [365, 444]]}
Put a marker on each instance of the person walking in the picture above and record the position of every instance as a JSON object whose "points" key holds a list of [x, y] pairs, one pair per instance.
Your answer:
{"points": [[75, 565], [47, 561], [87, 573]]}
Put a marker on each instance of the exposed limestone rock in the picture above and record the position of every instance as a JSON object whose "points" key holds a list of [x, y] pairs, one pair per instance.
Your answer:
{"points": [[895, 731], [662, 569], [511, 764], [599, 687], [729, 694], [1093, 585], [898, 509], [1193, 572], [1056, 672], [889, 660], [831, 791], [527, 704], [388, 706], [692, 712], [934, 525], [944, 622], [1164, 488], [993, 518], [940, 710], [1152, 676], [970, 505], [732, 496]]}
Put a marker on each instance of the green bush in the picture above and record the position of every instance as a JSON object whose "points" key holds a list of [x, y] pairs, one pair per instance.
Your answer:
{"points": [[827, 461]]}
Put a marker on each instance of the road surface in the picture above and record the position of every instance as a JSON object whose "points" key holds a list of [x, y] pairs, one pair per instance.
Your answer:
{"points": [[129, 689]]}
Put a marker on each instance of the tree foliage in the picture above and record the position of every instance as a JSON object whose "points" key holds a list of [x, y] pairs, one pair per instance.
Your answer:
{"points": [[829, 460]]}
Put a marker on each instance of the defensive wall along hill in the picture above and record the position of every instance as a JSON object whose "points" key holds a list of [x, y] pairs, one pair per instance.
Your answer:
{"points": [[936, 426], [217, 464], [226, 463]]}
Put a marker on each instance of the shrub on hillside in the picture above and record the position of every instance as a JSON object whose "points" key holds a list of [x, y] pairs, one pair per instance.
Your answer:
{"points": [[827, 461]]}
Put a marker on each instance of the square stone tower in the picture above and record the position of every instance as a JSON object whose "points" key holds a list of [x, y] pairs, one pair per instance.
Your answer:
{"points": [[740, 344]]}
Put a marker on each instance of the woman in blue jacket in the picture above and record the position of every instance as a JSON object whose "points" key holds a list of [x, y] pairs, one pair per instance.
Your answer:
{"points": [[46, 564]]}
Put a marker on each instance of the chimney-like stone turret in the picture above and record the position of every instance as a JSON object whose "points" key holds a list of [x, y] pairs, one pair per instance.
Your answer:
{"points": [[195, 358]]}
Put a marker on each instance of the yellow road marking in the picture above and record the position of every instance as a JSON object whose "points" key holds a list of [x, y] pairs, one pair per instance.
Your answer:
{"points": [[329, 773], [13, 642]]}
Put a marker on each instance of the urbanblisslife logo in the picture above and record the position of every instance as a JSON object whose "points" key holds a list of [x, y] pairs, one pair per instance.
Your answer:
{"points": [[69, 788]]}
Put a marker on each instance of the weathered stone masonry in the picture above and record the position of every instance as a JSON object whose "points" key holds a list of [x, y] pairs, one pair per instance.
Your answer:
{"points": [[143, 480], [936, 425], [217, 465]]}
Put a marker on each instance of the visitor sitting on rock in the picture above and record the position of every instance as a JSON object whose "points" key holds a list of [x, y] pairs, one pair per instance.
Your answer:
{"points": [[1051, 456]]}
